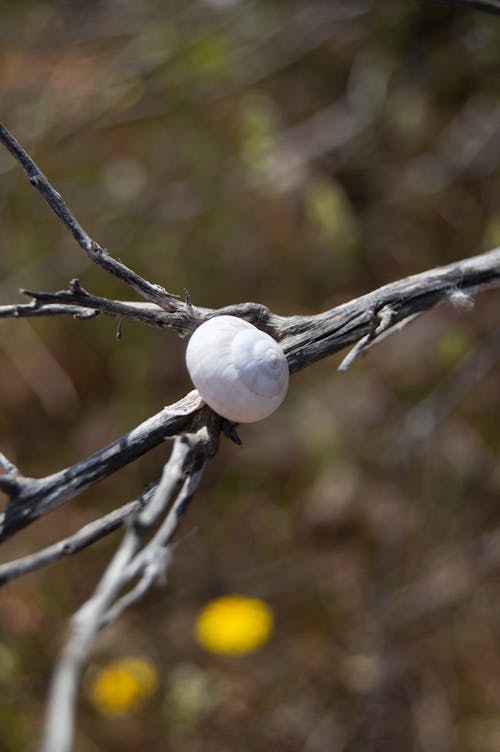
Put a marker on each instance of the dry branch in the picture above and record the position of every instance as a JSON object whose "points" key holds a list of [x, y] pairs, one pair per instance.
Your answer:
{"points": [[31, 498], [194, 428], [180, 478], [86, 536], [305, 339]]}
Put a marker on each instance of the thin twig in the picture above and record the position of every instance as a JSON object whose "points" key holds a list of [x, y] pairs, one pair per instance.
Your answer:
{"points": [[8, 466], [32, 310], [188, 457], [86, 536], [152, 573], [153, 560], [152, 292], [381, 323]]}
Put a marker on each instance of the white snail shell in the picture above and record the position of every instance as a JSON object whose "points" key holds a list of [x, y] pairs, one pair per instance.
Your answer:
{"points": [[240, 371]]}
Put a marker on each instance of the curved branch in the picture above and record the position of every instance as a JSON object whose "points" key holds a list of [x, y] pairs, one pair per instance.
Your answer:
{"points": [[98, 255]]}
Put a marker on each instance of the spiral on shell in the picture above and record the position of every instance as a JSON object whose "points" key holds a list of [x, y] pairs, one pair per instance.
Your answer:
{"points": [[240, 371]]}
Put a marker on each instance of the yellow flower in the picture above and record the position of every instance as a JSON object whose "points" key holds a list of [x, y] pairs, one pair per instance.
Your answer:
{"points": [[122, 686], [234, 625]]}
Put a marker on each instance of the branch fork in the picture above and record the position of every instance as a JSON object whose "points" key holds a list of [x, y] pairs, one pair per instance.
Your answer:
{"points": [[192, 426]]}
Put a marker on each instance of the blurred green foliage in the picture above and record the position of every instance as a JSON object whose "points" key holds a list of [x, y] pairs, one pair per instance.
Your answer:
{"points": [[296, 154]]}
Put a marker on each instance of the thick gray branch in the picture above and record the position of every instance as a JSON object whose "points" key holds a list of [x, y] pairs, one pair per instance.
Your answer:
{"points": [[307, 339], [30, 498]]}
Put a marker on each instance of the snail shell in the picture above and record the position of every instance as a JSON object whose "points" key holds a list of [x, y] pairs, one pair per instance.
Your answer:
{"points": [[240, 371]]}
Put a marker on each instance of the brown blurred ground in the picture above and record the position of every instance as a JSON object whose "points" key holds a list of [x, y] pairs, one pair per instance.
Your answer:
{"points": [[296, 154]]}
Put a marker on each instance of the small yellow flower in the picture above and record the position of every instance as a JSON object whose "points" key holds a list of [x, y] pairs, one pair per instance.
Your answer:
{"points": [[234, 625], [122, 686]]}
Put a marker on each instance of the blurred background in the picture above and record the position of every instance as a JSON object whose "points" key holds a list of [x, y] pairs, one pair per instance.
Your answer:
{"points": [[296, 154]]}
